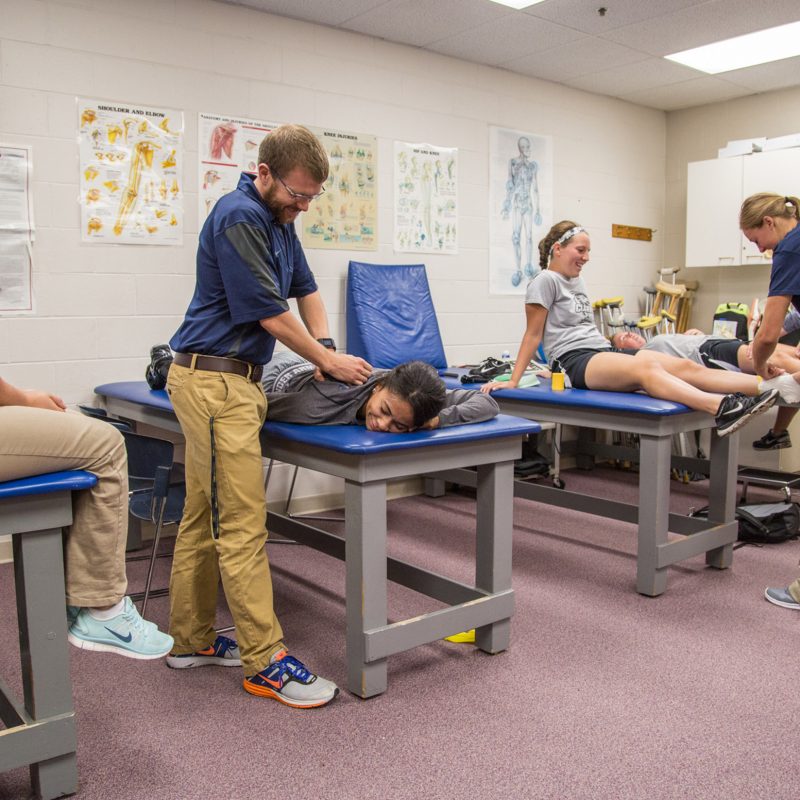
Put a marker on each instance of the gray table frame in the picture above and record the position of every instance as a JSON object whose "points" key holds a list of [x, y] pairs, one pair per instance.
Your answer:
{"points": [[655, 553], [41, 730], [486, 606]]}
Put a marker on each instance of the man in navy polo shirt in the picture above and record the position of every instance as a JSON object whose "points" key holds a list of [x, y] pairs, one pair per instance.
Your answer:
{"points": [[249, 262]]}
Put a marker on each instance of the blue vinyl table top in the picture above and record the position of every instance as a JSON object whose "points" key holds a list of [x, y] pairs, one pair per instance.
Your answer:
{"points": [[69, 480], [342, 438], [631, 402]]}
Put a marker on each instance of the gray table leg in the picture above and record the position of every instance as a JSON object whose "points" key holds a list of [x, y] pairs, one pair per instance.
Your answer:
{"points": [[722, 492], [584, 459], [495, 513], [654, 477], [365, 549], [435, 487], [39, 575]]}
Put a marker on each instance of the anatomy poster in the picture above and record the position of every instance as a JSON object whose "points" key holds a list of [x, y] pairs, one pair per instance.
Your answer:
{"points": [[345, 217], [227, 147], [16, 229], [425, 198], [521, 206], [131, 180]]}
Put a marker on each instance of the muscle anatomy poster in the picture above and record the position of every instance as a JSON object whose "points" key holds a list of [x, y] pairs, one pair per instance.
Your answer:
{"points": [[227, 147], [345, 217], [425, 198], [131, 173], [521, 206]]}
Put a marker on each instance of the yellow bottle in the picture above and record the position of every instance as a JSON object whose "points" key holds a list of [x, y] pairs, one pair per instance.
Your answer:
{"points": [[556, 377]]}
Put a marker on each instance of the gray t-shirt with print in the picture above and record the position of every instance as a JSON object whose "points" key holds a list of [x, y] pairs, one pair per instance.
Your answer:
{"points": [[570, 321]]}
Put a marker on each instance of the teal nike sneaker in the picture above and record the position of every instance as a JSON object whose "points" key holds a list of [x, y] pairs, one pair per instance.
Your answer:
{"points": [[127, 634]]}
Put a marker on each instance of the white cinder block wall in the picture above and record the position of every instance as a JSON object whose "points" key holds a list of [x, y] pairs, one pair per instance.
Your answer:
{"points": [[101, 307]]}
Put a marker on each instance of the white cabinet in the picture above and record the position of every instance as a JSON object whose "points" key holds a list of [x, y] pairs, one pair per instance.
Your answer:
{"points": [[715, 191], [777, 171], [712, 209]]}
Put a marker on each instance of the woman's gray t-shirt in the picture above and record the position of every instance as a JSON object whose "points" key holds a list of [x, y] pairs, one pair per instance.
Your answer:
{"points": [[570, 321]]}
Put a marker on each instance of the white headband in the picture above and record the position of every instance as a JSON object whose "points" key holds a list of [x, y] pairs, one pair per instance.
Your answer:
{"points": [[567, 235]]}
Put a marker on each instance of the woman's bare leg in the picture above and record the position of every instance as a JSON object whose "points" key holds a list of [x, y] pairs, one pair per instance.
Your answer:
{"points": [[720, 381], [617, 372]]}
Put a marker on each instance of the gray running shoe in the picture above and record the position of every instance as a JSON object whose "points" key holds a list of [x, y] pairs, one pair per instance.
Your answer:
{"points": [[781, 597]]}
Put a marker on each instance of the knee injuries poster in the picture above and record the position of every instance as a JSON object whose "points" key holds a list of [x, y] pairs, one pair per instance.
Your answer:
{"points": [[346, 216], [131, 173]]}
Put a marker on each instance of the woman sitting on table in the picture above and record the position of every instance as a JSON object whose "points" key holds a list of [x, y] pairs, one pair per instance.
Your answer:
{"points": [[557, 309], [409, 397]]}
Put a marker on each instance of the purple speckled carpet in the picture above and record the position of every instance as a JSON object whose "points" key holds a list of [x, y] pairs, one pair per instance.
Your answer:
{"points": [[603, 693]]}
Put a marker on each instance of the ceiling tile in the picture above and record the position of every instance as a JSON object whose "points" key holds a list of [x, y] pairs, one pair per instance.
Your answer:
{"points": [[583, 14], [674, 96], [505, 39], [581, 57], [633, 77], [766, 77], [420, 22]]}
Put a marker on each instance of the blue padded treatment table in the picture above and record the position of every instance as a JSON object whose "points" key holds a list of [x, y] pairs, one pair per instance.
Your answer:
{"points": [[41, 730], [367, 460], [654, 421]]}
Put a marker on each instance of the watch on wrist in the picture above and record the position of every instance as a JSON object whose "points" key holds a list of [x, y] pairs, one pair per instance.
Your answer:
{"points": [[328, 343]]}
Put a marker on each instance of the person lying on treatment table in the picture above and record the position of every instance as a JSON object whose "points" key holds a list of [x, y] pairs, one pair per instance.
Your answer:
{"points": [[409, 397]]}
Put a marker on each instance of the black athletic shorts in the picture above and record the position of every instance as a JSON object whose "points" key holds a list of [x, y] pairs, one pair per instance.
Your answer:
{"points": [[725, 350], [574, 363]]}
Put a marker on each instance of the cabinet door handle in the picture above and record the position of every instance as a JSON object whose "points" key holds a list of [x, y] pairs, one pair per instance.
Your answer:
{"points": [[725, 258]]}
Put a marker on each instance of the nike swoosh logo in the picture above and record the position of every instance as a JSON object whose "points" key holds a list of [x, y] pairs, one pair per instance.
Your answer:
{"points": [[119, 636]]}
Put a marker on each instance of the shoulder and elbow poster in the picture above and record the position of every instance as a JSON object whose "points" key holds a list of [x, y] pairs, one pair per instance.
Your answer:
{"points": [[131, 173]]}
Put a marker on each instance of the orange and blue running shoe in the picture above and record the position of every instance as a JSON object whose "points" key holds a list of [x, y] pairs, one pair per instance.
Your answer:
{"points": [[290, 682], [223, 653]]}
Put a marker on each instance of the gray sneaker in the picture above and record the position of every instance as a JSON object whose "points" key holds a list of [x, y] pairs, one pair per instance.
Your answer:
{"points": [[781, 597], [290, 682]]}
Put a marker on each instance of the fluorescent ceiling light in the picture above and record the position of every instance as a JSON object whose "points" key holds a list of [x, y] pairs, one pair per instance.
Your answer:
{"points": [[761, 47], [518, 3]]}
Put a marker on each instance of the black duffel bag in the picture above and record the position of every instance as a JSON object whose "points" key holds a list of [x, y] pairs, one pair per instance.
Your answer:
{"points": [[764, 523]]}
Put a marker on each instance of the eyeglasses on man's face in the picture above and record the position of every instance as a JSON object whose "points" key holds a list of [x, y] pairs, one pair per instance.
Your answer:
{"points": [[292, 193]]}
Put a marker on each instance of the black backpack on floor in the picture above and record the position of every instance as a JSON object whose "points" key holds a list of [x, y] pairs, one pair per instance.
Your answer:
{"points": [[764, 523]]}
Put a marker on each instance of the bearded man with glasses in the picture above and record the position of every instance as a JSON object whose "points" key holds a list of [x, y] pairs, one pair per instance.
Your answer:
{"points": [[249, 263]]}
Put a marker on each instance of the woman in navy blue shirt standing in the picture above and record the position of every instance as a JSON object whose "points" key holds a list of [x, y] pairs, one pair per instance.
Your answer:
{"points": [[770, 222]]}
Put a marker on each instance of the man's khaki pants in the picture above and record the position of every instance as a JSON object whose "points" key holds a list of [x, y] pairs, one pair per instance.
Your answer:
{"points": [[223, 530]]}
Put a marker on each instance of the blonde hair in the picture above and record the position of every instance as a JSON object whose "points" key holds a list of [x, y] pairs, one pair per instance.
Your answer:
{"points": [[765, 204], [553, 235]]}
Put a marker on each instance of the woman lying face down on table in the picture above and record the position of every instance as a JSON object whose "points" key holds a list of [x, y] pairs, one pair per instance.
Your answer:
{"points": [[409, 397], [558, 311]]}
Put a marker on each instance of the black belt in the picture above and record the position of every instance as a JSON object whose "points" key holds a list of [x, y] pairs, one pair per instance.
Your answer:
{"points": [[218, 364]]}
